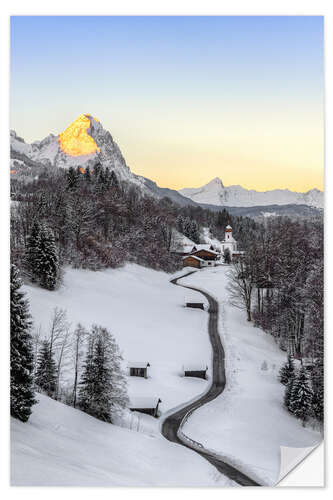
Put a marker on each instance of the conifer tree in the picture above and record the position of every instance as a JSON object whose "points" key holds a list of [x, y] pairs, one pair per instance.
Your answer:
{"points": [[301, 396], [113, 180], [32, 251], [72, 178], [287, 371], [288, 391], [87, 175], [48, 263], [180, 223], [194, 231], [46, 373], [96, 171], [318, 404], [226, 256], [21, 351], [107, 178], [103, 385], [318, 391]]}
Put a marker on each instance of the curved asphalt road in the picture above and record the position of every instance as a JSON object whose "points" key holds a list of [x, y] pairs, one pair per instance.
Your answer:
{"points": [[172, 423]]}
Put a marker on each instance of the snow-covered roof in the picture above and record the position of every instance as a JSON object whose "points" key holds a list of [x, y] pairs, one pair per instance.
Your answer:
{"points": [[195, 367], [144, 402], [208, 249], [193, 257], [203, 246], [180, 243], [138, 364], [228, 227]]}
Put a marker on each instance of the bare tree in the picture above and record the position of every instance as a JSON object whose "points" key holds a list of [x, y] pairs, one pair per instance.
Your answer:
{"points": [[63, 348], [241, 285], [80, 335], [59, 340], [37, 340], [58, 327]]}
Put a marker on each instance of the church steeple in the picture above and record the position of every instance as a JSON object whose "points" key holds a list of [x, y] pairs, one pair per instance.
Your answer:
{"points": [[228, 233]]}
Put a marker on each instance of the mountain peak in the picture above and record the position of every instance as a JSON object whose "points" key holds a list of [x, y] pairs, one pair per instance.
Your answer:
{"points": [[76, 140], [216, 182], [214, 193]]}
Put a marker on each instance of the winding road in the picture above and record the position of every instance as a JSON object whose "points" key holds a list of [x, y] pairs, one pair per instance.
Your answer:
{"points": [[172, 423]]}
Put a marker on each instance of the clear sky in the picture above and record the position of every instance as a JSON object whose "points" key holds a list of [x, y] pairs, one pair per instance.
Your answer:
{"points": [[187, 99]]}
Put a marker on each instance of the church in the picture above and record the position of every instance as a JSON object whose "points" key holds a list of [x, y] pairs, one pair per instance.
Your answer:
{"points": [[230, 243]]}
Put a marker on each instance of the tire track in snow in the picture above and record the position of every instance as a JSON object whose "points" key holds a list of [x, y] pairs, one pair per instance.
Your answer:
{"points": [[171, 426]]}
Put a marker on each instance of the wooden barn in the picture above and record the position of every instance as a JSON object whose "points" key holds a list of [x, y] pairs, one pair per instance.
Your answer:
{"points": [[195, 370], [138, 369], [195, 304], [205, 254], [192, 261], [147, 405]]}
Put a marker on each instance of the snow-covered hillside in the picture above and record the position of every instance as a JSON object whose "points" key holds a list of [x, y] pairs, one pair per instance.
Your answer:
{"points": [[147, 316], [60, 446], [247, 423], [215, 193]]}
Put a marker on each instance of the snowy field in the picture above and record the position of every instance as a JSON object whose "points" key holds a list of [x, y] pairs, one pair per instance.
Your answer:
{"points": [[60, 446], [247, 423], [147, 316]]}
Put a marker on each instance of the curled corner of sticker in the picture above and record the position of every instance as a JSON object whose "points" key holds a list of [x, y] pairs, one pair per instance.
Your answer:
{"points": [[290, 457]]}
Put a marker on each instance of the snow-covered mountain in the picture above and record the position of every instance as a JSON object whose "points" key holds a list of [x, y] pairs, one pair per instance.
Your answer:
{"points": [[84, 143], [215, 193]]}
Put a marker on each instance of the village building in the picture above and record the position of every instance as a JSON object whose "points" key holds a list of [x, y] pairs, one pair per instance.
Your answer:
{"points": [[147, 405], [138, 369], [197, 370], [206, 253], [193, 261], [230, 243], [180, 244]]}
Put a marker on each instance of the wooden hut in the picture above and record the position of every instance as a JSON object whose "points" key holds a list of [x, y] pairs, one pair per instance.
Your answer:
{"points": [[204, 253], [195, 303], [195, 370], [147, 405], [192, 261], [138, 368]]}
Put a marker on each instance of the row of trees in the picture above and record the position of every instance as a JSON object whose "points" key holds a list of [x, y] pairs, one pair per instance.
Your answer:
{"points": [[91, 358], [280, 285], [97, 221]]}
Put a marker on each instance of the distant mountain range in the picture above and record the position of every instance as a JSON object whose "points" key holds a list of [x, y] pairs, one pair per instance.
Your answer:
{"points": [[86, 143], [215, 193]]}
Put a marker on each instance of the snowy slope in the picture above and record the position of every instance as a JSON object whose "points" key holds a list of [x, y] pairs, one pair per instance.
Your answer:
{"points": [[247, 423], [215, 193], [60, 446], [147, 316]]}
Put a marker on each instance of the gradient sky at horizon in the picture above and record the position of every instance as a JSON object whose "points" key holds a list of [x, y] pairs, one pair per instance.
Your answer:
{"points": [[187, 99]]}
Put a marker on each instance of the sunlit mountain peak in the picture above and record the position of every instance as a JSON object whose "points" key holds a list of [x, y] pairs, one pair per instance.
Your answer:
{"points": [[75, 140]]}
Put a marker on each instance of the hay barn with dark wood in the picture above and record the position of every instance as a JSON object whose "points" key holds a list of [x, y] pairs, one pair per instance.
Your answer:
{"points": [[147, 405], [138, 369], [192, 261], [197, 370]]}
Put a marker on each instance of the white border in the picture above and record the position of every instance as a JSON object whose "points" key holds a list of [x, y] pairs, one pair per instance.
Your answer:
{"points": [[146, 7]]}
